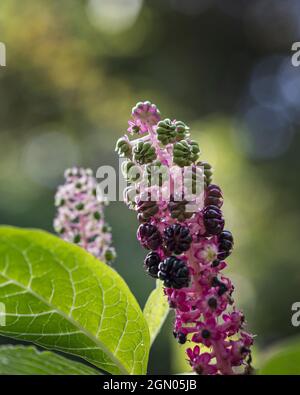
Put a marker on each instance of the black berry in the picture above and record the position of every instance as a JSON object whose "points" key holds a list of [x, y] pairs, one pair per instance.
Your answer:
{"points": [[213, 220], [222, 289], [212, 303], [205, 334], [215, 263], [215, 282], [180, 336], [174, 273], [149, 236], [225, 244], [213, 196], [177, 238], [151, 263]]}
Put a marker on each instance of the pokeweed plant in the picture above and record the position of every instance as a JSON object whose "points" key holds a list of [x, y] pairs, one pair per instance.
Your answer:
{"points": [[61, 294], [183, 227]]}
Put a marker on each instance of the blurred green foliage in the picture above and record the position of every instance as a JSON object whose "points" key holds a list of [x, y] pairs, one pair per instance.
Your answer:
{"points": [[282, 359], [66, 94]]}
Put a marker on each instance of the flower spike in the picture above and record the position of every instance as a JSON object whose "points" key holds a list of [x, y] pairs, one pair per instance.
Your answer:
{"points": [[184, 231], [80, 215]]}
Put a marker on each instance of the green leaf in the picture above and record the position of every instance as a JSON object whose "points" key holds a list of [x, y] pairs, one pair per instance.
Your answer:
{"points": [[282, 359], [156, 310], [28, 360], [60, 297]]}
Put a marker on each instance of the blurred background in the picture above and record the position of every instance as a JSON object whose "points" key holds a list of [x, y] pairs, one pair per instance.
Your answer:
{"points": [[76, 68]]}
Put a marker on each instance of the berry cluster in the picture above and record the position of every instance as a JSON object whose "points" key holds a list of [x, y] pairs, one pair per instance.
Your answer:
{"points": [[80, 216], [187, 247]]}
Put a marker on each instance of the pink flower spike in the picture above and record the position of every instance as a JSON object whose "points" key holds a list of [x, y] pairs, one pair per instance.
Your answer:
{"points": [[80, 215], [188, 248]]}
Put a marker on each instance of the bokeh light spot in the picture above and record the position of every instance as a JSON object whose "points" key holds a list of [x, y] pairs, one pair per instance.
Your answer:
{"points": [[265, 133], [113, 16]]}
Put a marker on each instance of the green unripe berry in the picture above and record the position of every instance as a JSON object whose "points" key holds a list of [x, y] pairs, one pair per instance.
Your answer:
{"points": [[169, 132], [97, 215], [208, 172], [166, 131], [92, 238], [130, 194], [144, 153], [156, 173], [110, 255], [77, 239], [178, 210], [185, 152], [123, 148], [106, 228], [131, 171]]}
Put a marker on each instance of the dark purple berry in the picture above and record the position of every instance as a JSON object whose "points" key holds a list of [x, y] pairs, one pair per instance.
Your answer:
{"points": [[222, 289], [181, 337], [213, 220], [215, 263], [213, 196], [174, 273], [212, 303], [225, 244], [205, 334], [244, 350], [149, 236], [215, 282], [151, 263], [177, 238]]}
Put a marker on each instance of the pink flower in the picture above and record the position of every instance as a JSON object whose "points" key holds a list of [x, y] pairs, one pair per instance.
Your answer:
{"points": [[201, 362], [206, 250]]}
